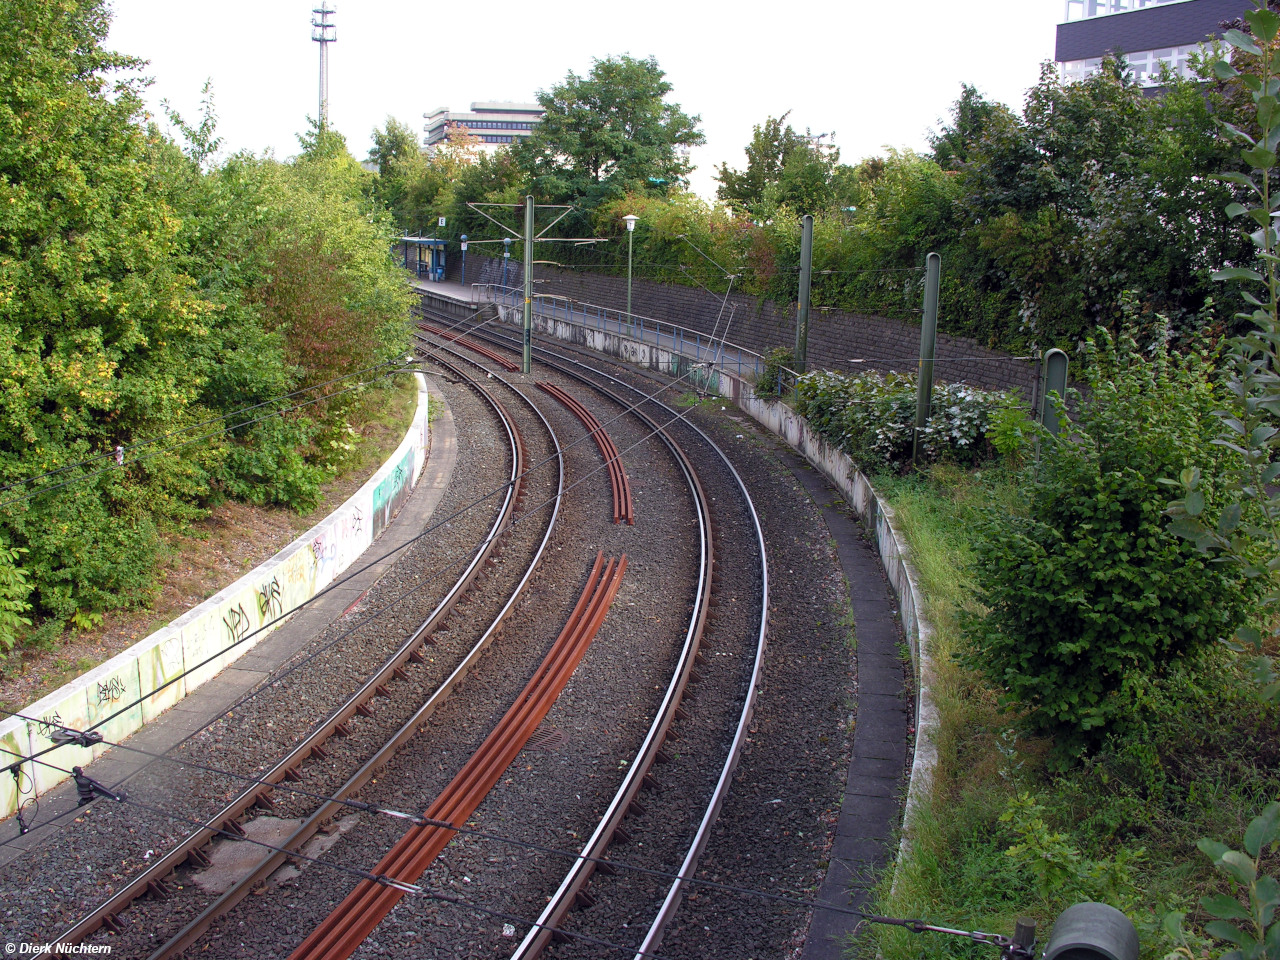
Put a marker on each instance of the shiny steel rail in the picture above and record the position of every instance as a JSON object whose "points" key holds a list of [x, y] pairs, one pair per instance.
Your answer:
{"points": [[192, 932], [257, 794], [536, 940]]}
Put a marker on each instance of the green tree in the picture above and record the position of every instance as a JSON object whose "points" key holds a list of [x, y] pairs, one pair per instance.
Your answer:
{"points": [[96, 317], [970, 116], [771, 144], [784, 168], [396, 142], [1249, 423], [607, 132]]}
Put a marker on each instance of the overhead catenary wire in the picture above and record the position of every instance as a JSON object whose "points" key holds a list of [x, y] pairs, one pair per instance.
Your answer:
{"points": [[423, 821], [277, 678], [412, 889]]}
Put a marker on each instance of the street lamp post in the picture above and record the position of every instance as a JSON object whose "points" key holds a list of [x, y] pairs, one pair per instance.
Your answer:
{"points": [[631, 219], [506, 256], [464, 259]]}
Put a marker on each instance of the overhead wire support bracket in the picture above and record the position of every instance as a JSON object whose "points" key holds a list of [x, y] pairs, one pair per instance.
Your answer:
{"points": [[89, 788], [81, 738]]}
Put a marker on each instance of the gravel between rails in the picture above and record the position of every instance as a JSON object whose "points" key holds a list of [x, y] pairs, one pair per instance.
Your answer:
{"points": [[776, 826], [162, 919], [775, 829], [93, 856], [547, 796]]}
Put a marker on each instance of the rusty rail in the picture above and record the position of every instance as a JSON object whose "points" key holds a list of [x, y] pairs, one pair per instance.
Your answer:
{"points": [[553, 916], [258, 794], [192, 932], [618, 481], [469, 344], [358, 915]]}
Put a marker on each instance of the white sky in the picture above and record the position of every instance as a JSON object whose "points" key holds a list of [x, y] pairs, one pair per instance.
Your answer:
{"points": [[877, 72]]}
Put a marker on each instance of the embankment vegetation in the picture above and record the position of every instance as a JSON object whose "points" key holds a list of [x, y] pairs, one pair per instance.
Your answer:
{"points": [[1044, 215], [176, 327]]}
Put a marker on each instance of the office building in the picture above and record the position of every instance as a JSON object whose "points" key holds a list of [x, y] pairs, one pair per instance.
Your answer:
{"points": [[1148, 32], [496, 125]]}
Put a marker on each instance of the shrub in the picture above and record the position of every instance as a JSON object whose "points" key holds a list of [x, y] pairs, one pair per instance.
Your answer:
{"points": [[270, 466], [771, 378], [1090, 597], [871, 417], [14, 590]]}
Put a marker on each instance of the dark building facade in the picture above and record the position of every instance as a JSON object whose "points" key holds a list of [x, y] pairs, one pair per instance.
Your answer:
{"points": [[1148, 32]]}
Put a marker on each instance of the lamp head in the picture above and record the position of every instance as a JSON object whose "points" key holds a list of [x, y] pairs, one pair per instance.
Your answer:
{"points": [[631, 219]]}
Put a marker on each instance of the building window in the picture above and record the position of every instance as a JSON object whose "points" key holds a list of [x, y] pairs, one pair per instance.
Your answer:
{"points": [[1144, 65], [1087, 9]]}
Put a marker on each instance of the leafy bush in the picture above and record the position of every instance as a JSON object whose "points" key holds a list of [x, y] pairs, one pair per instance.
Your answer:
{"points": [[87, 548], [871, 417], [270, 467], [1090, 596], [771, 380], [1061, 870], [14, 590], [1256, 929]]}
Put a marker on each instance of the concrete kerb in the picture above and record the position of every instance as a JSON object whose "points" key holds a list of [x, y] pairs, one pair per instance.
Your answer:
{"points": [[836, 466], [257, 601]]}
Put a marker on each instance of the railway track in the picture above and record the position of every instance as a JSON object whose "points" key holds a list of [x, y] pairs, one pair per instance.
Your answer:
{"points": [[693, 664], [381, 685], [768, 838], [680, 665], [656, 764]]}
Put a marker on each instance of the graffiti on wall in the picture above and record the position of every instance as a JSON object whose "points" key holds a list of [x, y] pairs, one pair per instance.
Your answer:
{"points": [[111, 691], [49, 723], [237, 623], [390, 493], [269, 602]]}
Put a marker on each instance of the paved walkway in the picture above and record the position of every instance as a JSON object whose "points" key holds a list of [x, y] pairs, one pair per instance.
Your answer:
{"points": [[445, 288], [209, 701], [871, 810]]}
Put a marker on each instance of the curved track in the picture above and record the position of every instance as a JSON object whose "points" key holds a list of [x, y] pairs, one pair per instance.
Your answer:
{"points": [[384, 682], [690, 728]]}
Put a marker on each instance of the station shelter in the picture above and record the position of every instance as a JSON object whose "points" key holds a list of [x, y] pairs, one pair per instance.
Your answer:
{"points": [[425, 256]]}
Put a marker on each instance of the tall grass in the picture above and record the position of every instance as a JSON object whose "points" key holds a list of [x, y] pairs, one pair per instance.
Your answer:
{"points": [[1120, 827]]}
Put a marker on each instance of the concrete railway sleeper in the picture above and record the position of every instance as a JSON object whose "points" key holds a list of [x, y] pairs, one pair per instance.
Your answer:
{"points": [[259, 794]]}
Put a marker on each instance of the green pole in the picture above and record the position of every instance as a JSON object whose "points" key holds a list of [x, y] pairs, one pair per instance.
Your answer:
{"points": [[806, 279], [631, 233], [928, 344], [528, 285]]}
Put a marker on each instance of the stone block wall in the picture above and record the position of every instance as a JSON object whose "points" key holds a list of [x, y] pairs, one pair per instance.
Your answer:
{"points": [[835, 336]]}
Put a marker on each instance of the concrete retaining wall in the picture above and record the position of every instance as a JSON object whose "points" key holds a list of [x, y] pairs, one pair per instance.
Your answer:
{"points": [[163, 668]]}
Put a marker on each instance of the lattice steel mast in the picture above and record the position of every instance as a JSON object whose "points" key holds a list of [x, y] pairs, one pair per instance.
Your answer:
{"points": [[324, 33]]}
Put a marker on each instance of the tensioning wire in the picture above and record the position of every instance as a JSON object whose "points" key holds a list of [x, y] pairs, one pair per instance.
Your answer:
{"points": [[426, 582], [424, 821]]}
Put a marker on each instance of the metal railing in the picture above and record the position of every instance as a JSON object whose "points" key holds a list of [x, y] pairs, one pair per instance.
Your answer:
{"points": [[698, 346]]}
